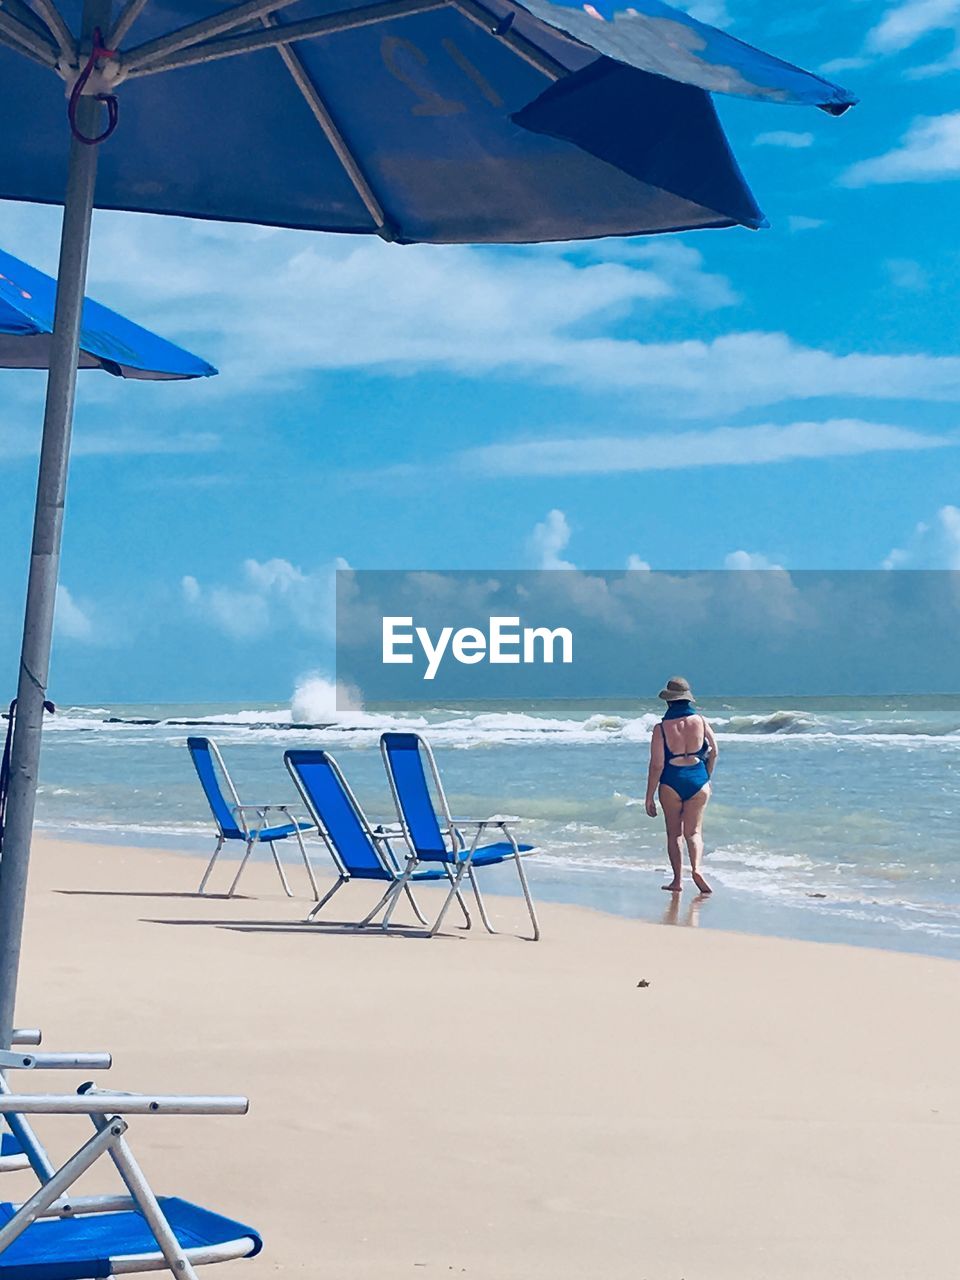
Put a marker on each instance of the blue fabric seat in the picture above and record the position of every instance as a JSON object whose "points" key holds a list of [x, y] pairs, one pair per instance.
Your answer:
{"points": [[437, 837], [231, 819], [12, 1155], [81, 1247], [281, 833], [9, 1146], [488, 855]]}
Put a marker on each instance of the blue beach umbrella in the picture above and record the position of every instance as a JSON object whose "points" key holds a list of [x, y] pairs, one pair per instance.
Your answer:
{"points": [[443, 121], [108, 341]]}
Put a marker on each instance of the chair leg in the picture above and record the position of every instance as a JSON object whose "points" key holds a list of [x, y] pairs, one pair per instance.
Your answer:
{"points": [[416, 909], [280, 871], [395, 888], [243, 862], [481, 905], [326, 897], [210, 864], [308, 864], [526, 893], [467, 922], [454, 892], [395, 897]]}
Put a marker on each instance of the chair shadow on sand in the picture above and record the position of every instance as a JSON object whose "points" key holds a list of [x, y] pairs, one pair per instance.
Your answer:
{"points": [[302, 928], [147, 893]]}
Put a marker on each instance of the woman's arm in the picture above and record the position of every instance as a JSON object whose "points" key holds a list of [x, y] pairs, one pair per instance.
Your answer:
{"points": [[711, 740], [655, 769]]}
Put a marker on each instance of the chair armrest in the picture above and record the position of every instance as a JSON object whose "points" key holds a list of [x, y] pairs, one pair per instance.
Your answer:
{"points": [[260, 808], [263, 809], [11, 1060], [499, 820], [97, 1102], [26, 1036]]}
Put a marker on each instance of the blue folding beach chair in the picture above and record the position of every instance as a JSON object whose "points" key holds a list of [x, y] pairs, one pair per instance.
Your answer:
{"points": [[359, 850], [433, 839], [232, 822], [55, 1235]]}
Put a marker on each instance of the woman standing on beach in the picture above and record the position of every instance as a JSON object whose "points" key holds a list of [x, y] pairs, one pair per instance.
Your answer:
{"points": [[683, 756]]}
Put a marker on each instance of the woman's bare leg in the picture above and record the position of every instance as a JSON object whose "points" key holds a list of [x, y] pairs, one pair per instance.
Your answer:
{"points": [[691, 822], [672, 807]]}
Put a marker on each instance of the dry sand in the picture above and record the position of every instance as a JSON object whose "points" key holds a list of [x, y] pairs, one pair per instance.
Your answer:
{"points": [[497, 1109]]}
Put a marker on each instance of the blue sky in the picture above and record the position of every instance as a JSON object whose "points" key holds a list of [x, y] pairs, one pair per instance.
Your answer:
{"points": [[784, 397]]}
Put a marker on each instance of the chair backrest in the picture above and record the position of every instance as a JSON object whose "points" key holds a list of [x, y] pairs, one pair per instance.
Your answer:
{"points": [[207, 760], [404, 755], [335, 810]]}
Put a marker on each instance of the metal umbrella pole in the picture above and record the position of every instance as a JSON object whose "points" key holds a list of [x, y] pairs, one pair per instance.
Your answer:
{"points": [[47, 530]]}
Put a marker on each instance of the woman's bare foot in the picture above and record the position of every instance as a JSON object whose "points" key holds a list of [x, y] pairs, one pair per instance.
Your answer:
{"points": [[701, 884], [673, 887]]}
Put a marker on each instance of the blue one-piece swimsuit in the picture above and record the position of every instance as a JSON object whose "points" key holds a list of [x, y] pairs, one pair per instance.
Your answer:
{"points": [[685, 779]]}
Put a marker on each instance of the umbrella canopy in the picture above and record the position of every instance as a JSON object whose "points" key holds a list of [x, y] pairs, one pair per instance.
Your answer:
{"points": [[108, 341], [419, 120], [416, 120]]}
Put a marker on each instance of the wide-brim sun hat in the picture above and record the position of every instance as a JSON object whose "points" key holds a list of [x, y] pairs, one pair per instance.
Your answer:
{"points": [[677, 689]]}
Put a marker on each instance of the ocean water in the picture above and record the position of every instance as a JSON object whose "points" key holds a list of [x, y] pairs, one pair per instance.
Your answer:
{"points": [[833, 819]]}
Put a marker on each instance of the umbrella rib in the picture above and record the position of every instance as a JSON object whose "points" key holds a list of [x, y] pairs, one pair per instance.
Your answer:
{"points": [[527, 50], [304, 82], [24, 52], [197, 32], [249, 42], [59, 29], [22, 38], [128, 15]]}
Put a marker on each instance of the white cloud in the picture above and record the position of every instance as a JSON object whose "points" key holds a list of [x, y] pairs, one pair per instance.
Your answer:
{"points": [[749, 560], [784, 138], [738, 371], [22, 441], [396, 308], [836, 66], [928, 152], [906, 23], [549, 537], [72, 619], [270, 594], [797, 222], [941, 67], [907, 274], [713, 12], [672, 451], [634, 562], [933, 544], [273, 307], [678, 265]]}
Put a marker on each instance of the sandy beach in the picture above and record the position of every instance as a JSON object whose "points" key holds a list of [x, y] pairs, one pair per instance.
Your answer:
{"points": [[485, 1106]]}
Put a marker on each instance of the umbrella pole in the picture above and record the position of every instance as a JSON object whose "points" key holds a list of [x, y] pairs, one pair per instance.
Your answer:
{"points": [[45, 553]]}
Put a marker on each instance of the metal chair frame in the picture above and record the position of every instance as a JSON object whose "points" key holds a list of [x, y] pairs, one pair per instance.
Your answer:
{"points": [[107, 1112], [379, 837], [251, 834], [461, 855]]}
